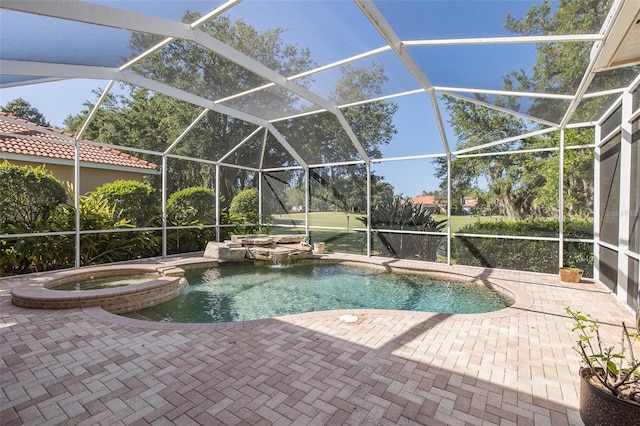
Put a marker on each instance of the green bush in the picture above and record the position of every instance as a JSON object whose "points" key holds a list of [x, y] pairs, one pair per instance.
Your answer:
{"points": [[134, 200], [35, 254], [190, 207], [96, 212], [525, 255], [28, 197], [44, 253], [245, 205], [396, 212]]}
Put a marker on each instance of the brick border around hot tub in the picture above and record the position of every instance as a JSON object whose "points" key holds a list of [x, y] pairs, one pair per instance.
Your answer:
{"points": [[35, 294]]}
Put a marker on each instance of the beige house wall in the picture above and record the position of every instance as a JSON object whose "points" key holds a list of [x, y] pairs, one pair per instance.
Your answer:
{"points": [[90, 178]]}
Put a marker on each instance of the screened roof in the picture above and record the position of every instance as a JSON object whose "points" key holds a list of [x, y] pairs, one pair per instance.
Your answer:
{"points": [[417, 52]]}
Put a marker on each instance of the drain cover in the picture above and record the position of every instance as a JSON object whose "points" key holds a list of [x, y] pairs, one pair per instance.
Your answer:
{"points": [[348, 318]]}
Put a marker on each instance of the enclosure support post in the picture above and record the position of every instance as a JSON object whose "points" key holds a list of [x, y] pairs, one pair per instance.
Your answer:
{"points": [[624, 211], [307, 202], [561, 201], [261, 166], [164, 204], [596, 196], [449, 236], [260, 198], [368, 209], [217, 202], [76, 199]]}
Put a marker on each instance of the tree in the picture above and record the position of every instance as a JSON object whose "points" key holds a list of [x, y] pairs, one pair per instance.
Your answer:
{"points": [[559, 67], [152, 121], [474, 126], [321, 139], [523, 185], [295, 198], [23, 109]]}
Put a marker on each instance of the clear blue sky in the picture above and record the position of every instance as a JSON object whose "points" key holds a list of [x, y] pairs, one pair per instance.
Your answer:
{"points": [[305, 23]]}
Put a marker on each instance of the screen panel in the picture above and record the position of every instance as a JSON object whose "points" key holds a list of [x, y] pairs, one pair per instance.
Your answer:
{"points": [[634, 223], [610, 191]]}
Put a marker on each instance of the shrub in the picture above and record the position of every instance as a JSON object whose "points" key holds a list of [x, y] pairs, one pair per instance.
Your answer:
{"points": [[396, 212], [189, 207], [526, 255], [28, 197], [35, 254], [134, 200], [44, 253], [96, 212], [245, 205]]}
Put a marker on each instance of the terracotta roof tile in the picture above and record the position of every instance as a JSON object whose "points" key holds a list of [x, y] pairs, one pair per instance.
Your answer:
{"points": [[22, 141], [427, 200]]}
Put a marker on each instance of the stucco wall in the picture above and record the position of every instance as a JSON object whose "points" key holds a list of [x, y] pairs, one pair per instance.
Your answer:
{"points": [[90, 178]]}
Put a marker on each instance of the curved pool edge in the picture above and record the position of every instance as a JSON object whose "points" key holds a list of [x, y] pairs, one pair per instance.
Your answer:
{"points": [[496, 279], [39, 293]]}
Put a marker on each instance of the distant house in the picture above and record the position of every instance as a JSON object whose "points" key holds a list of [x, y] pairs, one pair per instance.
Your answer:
{"points": [[470, 205], [428, 201], [25, 143]]}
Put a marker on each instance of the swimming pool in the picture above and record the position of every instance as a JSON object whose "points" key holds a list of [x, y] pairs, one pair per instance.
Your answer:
{"points": [[240, 293]]}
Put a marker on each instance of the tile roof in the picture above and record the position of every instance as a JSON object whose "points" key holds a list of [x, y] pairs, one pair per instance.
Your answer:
{"points": [[21, 137], [427, 200]]}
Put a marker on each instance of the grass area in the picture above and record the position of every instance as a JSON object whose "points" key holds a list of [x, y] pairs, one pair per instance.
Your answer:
{"points": [[333, 219], [349, 220]]}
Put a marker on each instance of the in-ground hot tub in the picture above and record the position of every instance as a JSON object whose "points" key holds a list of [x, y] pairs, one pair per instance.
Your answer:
{"points": [[62, 290]]}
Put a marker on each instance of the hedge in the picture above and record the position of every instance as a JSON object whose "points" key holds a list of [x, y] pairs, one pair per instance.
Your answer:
{"points": [[134, 200], [525, 255], [28, 197], [188, 207]]}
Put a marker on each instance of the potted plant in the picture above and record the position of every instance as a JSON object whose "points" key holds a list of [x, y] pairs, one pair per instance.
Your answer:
{"points": [[571, 274], [609, 376]]}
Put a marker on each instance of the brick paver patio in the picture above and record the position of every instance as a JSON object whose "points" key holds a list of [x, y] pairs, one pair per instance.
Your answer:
{"points": [[515, 366]]}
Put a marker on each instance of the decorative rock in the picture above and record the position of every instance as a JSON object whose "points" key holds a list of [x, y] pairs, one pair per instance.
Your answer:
{"points": [[289, 239], [232, 244], [262, 253], [257, 241], [212, 250], [232, 254], [289, 248], [239, 238], [220, 251]]}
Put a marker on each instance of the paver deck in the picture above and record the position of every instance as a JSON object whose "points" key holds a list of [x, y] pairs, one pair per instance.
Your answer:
{"points": [[515, 366]]}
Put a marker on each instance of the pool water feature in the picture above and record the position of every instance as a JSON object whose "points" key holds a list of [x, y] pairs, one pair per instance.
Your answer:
{"points": [[239, 293]]}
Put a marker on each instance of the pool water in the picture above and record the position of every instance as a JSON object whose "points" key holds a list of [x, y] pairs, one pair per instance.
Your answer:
{"points": [[239, 293]]}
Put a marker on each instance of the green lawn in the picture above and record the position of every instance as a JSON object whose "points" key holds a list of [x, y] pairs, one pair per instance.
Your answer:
{"points": [[344, 220], [337, 219], [348, 241]]}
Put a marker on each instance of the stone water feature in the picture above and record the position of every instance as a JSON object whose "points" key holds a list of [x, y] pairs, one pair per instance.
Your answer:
{"points": [[275, 249]]}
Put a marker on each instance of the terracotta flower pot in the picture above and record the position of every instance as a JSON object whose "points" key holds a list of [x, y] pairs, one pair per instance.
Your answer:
{"points": [[571, 275], [598, 407]]}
